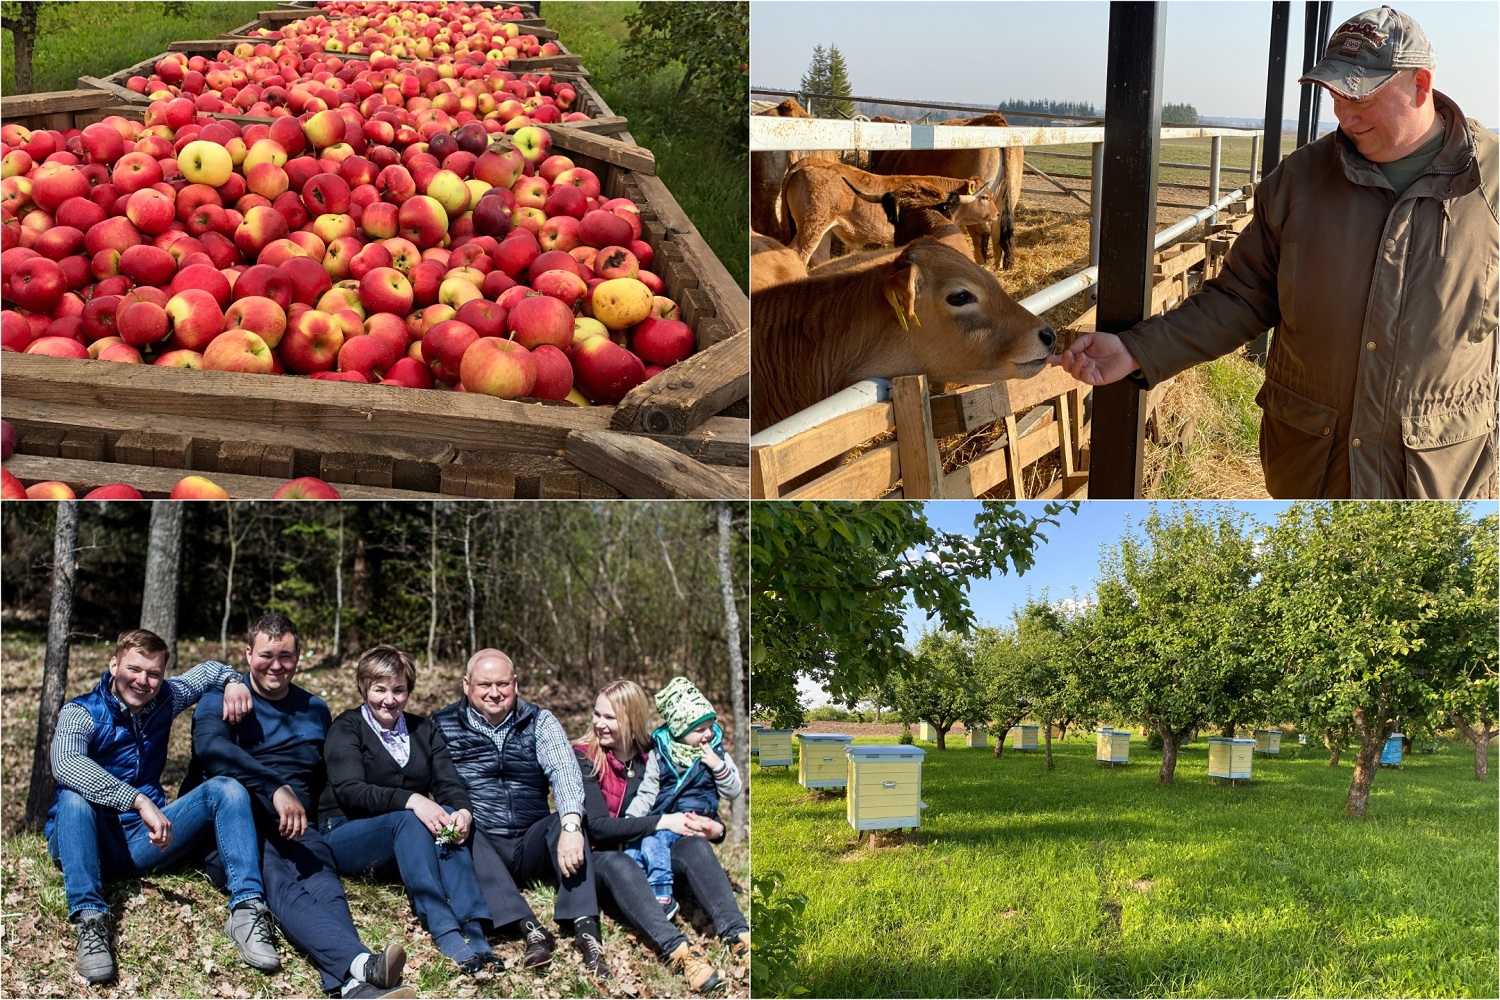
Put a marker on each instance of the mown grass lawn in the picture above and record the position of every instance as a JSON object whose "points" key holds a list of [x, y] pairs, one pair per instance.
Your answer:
{"points": [[1096, 882]]}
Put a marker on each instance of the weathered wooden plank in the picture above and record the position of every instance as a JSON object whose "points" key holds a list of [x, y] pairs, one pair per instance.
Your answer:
{"points": [[765, 478], [1178, 259], [641, 468], [1013, 464], [26, 105], [537, 64], [158, 482], [610, 125], [209, 45], [689, 392], [870, 476], [977, 406], [605, 148], [829, 440], [921, 467], [981, 475]]}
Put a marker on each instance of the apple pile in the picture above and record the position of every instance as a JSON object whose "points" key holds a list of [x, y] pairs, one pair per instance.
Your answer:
{"points": [[332, 246], [423, 31]]}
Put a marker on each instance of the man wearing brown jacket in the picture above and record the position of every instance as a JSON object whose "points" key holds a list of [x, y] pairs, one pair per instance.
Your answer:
{"points": [[1373, 252]]}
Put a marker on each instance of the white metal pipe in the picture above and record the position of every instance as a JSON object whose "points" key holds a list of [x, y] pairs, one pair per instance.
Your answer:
{"points": [[1163, 163], [857, 396], [767, 134]]}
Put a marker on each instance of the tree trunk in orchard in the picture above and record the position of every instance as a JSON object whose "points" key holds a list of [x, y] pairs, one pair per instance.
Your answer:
{"points": [[942, 737], [1480, 734], [1333, 748], [738, 820], [1229, 730], [1047, 735], [1372, 732], [23, 30], [163, 569], [1168, 755], [55, 670]]}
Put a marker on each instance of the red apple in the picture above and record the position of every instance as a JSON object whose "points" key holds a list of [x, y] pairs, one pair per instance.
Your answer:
{"points": [[499, 368], [605, 371], [306, 488], [197, 488]]}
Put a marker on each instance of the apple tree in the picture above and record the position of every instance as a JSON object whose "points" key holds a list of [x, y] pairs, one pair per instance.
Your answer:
{"points": [[947, 688], [1003, 672], [1469, 638], [1060, 690], [1355, 602], [830, 582], [1168, 635]]}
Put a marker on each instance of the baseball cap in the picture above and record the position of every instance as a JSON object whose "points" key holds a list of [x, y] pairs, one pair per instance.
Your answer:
{"points": [[1367, 50]]}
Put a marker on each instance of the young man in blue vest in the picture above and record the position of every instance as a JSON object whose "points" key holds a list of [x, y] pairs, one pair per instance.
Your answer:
{"points": [[511, 754], [276, 752], [110, 817]]}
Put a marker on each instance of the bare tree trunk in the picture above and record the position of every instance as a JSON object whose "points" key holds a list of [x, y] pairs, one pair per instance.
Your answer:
{"points": [[1229, 729], [338, 593], [1047, 731], [432, 563], [469, 577], [1480, 734], [234, 547], [359, 590], [738, 808], [55, 671], [163, 566], [1332, 743], [1372, 734], [942, 736]]}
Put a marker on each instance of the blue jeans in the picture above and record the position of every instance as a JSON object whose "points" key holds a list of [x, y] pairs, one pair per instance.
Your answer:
{"points": [[441, 883], [93, 843], [655, 858]]}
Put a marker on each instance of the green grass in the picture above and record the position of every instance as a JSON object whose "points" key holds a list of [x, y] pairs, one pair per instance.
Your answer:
{"points": [[1225, 448], [1235, 152], [706, 168], [97, 39], [1097, 882]]}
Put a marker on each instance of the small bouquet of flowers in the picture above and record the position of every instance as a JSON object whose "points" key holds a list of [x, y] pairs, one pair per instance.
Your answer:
{"points": [[449, 836]]}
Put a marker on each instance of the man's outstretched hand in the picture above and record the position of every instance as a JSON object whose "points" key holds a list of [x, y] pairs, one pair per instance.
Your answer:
{"points": [[1096, 359]]}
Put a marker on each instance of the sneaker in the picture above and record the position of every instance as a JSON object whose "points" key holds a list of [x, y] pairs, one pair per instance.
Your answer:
{"points": [[669, 906], [364, 991], [539, 945], [691, 962], [591, 949], [251, 930], [739, 945], [96, 959], [383, 970]]}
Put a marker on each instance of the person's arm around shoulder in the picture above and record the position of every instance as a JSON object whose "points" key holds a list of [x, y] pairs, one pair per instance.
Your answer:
{"points": [[186, 688]]}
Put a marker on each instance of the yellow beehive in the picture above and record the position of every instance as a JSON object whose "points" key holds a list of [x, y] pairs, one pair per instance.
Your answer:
{"points": [[775, 748], [1268, 741], [885, 787], [1113, 745], [926, 733], [1024, 737], [1229, 758], [976, 737], [755, 730], [821, 763]]}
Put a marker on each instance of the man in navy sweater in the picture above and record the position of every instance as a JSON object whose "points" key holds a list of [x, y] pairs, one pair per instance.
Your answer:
{"points": [[276, 752]]}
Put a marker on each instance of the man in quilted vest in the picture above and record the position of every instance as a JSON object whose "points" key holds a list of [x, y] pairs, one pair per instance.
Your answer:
{"points": [[510, 754], [110, 817]]}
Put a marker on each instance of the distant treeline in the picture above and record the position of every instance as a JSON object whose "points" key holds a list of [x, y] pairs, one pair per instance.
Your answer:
{"points": [[1017, 112]]}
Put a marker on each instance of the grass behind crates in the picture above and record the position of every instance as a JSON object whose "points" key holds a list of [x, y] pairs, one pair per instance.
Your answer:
{"points": [[706, 167], [97, 39], [1091, 881]]}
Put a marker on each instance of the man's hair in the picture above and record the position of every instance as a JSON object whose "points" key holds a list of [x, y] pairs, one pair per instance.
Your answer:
{"points": [[141, 641], [384, 661], [273, 625], [487, 653], [631, 704]]}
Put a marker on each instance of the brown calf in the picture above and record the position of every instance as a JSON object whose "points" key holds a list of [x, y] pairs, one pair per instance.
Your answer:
{"points": [[923, 309], [819, 196], [1002, 168], [772, 264], [768, 169]]}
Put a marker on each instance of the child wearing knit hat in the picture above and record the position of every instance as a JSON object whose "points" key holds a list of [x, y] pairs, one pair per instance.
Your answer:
{"points": [[691, 775]]}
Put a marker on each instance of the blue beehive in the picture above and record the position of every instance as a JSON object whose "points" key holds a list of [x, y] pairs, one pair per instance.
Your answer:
{"points": [[1391, 755]]}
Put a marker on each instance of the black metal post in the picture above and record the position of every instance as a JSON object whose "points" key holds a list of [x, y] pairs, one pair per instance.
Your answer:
{"points": [[1127, 237], [1270, 153], [1310, 55], [1325, 14]]}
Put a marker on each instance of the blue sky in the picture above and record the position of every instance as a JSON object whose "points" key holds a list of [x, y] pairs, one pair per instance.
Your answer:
{"points": [[988, 52]]}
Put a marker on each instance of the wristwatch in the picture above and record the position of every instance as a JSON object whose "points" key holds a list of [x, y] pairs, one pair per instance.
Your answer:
{"points": [[570, 826]]}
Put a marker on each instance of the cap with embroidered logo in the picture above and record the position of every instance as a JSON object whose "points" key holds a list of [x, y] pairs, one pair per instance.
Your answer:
{"points": [[1368, 50]]}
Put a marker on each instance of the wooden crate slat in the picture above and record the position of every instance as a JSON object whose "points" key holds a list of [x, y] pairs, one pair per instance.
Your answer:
{"points": [[26, 105], [689, 392], [980, 475], [829, 440], [641, 468], [921, 468], [155, 481], [872, 474], [605, 148]]}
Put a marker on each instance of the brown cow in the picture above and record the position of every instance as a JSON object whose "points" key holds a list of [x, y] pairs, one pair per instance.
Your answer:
{"points": [[923, 309], [772, 264], [947, 221], [819, 196], [1001, 167], [767, 169]]}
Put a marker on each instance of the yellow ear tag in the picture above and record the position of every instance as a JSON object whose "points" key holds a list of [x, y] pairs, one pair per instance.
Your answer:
{"points": [[890, 296]]}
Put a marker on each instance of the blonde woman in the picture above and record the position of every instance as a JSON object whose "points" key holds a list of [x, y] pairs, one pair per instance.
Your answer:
{"points": [[614, 757]]}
